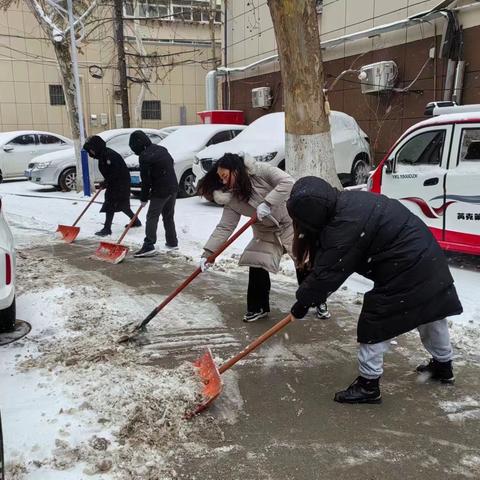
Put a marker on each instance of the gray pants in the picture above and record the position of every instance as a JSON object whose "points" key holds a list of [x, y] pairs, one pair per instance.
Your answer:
{"points": [[435, 339], [166, 207]]}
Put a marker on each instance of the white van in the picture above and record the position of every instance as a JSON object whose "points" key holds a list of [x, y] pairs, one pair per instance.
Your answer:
{"points": [[264, 139], [434, 170]]}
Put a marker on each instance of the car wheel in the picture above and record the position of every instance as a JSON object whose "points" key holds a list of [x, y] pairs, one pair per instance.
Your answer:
{"points": [[186, 188], [1, 177], [68, 180], [7, 318], [360, 171]]}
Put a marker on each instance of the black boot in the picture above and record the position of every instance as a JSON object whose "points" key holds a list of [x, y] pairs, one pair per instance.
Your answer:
{"points": [[441, 371], [104, 232], [137, 223], [362, 390]]}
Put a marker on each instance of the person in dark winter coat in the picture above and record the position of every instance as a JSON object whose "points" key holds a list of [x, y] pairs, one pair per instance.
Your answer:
{"points": [[339, 233], [160, 187], [116, 182]]}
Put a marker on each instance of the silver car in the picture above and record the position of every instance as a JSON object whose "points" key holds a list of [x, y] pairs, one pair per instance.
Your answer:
{"points": [[59, 168], [18, 148]]}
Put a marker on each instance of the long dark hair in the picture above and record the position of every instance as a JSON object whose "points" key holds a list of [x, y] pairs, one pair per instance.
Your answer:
{"points": [[305, 244], [235, 164]]}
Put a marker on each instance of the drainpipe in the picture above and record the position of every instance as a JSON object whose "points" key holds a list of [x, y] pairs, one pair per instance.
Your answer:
{"points": [[449, 79]]}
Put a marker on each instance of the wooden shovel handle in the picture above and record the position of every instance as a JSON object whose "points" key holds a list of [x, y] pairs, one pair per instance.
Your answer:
{"points": [[88, 204], [278, 326], [129, 226]]}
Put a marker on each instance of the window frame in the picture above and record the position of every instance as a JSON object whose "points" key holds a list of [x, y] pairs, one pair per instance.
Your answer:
{"points": [[151, 112], [415, 164], [56, 100]]}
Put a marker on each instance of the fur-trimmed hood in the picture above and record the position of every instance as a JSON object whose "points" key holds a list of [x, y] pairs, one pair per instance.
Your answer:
{"points": [[224, 197]]}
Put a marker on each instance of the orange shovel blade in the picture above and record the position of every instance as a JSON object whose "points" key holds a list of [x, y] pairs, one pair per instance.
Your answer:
{"points": [[111, 252], [211, 379], [68, 233]]}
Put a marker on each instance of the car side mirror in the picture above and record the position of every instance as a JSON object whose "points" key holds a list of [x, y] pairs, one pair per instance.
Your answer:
{"points": [[389, 165], [7, 148]]}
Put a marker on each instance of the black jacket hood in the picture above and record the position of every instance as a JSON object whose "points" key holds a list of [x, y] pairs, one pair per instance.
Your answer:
{"points": [[95, 145], [139, 141], [312, 203]]}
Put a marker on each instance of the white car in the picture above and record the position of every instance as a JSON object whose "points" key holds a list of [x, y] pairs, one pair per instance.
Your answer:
{"points": [[183, 144], [59, 168], [264, 139], [18, 148], [7, 276]]}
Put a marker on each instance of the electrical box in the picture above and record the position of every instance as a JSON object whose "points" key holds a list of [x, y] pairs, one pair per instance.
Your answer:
{"points": [[103, 119], [378, 77], [261, 97], [118, 120], [93, 120]]}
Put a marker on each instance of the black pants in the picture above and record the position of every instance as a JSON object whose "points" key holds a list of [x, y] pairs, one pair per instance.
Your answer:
{"points": [[258, 293], [109, 217], [166, 207]]}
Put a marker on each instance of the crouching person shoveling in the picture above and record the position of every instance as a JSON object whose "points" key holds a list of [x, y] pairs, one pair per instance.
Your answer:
{"points": [[116, 182], [339, 233], [160, 186], [245, 187]]}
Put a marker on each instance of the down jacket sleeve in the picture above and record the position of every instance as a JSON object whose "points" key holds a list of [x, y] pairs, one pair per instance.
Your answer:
{"points": [[334, 262], [223, 230], [281, 182]]}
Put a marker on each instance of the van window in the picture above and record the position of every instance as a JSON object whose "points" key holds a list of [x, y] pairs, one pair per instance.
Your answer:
{"points": [[470, 149], [423, 149]]}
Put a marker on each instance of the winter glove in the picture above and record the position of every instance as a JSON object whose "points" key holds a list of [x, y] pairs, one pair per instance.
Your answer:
{"points": [[143, 204], [203, 264], [102, 185], [298, 310], [263, 210]]}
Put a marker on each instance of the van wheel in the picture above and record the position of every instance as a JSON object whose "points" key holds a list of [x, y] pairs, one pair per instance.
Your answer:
{"points": [[8, 318], [68, 180], [186, 187], [360, 171]]}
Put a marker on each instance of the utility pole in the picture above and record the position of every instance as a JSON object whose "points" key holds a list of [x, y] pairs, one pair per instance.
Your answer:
{"points": [[122, 65], [211, 21]]}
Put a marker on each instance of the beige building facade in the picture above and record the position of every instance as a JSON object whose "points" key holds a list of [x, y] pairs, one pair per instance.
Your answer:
{"points": [[175, 36], [356, 33]]}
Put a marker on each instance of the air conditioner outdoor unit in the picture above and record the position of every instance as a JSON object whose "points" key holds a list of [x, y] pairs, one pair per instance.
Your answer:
{"points": [[261, 97], [378, 77]]}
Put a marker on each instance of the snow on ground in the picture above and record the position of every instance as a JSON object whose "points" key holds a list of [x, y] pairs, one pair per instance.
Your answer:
{"points": [[74, 402]]}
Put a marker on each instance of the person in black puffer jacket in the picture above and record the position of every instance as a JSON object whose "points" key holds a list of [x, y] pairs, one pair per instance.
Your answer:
{"points": [[339, 233], [116, 182], [160, 187]]}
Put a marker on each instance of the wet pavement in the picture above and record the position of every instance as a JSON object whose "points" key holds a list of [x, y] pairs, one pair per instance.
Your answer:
{"points": [[276, 414]]}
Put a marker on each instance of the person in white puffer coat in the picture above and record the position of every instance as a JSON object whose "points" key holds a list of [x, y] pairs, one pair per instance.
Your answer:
{"points": [[245, 187]]}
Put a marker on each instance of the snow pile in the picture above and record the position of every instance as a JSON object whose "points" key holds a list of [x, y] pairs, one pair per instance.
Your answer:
{"points": [[130, 409]]}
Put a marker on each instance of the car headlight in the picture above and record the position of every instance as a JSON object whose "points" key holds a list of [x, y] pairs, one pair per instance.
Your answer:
{"points": [[39, 166], [265, 158]]}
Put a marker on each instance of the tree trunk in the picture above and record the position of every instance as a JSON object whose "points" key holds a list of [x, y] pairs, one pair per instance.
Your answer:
{"points": [[308, 145], [121, 62]]}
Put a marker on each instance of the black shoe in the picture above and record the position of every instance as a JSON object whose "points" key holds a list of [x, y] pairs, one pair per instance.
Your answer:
{"points": [[322, 312], [104, 232], [253, 316], [362, 390], [145, 251], [441, 371], [137, 224]]}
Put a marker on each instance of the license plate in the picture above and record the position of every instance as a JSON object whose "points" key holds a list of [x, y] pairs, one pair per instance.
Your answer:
{"points": [[135, 179]]}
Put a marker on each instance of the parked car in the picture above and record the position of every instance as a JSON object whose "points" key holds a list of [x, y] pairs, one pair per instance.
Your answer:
{"points": [[18, 148], [183, 144], [264, 139], [7, 275], [434, 170], [59, 168]]}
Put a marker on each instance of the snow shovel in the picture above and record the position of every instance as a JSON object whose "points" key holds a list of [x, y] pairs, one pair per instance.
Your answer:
{"points": [[195, 274], [70, 232], [210, 373], [114, 252]]}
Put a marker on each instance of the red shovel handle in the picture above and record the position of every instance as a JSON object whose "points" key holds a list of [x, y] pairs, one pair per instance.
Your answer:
{"points": [[88, 205], [197, 272], [129, 226], [278, 326]]}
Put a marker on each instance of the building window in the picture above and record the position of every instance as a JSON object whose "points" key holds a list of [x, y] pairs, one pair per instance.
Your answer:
{"points": [[176, 10], [56, 95], [151, 110]]}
